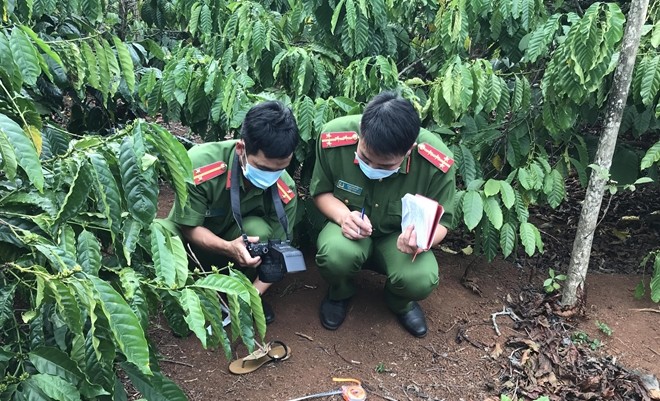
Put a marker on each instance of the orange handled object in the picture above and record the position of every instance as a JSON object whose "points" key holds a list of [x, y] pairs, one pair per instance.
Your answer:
{"points": [[351, 392]]}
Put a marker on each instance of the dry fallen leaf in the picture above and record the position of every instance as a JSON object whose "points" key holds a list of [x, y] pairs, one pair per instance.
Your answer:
{"points": [[497, 351]]}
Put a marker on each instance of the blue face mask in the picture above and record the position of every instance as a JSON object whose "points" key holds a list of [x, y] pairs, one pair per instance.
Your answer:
{"points": [[374, 173], [259, 178]]}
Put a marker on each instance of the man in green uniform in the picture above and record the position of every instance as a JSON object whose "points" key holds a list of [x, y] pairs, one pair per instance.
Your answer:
{"points": [[269, 136], [364, 166]]}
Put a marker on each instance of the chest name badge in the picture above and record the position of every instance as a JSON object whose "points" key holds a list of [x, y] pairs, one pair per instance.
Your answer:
{"points": [[348, 187]]}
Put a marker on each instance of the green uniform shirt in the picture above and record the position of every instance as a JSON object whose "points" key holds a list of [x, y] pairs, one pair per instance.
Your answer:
{"points": [[209, 201], [337, 171]]}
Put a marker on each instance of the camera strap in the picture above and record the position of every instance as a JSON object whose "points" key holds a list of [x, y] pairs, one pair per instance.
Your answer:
{"points": [[235, 198]]}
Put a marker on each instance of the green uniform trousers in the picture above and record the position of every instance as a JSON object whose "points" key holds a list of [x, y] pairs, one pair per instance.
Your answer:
{"points": [[340, 259], [253, 225]]}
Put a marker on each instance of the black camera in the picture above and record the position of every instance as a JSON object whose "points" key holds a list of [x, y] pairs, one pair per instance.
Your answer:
{"points": [[277, 258]]}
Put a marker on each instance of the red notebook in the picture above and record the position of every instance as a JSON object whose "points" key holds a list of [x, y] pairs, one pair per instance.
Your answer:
{"points": [[424, 214]]}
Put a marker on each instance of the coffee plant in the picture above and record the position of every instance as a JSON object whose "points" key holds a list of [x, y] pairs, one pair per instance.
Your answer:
{"points": [[515, 87]]}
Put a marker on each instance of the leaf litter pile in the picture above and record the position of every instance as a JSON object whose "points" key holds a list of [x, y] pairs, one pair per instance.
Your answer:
{"points": [[549, 359]]}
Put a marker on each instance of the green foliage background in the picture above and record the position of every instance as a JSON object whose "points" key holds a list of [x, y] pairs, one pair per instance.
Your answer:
{"points": [[517, 88]]}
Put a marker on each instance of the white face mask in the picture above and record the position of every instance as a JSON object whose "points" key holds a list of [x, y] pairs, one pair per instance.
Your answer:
{"points": [[374, 173], [259, 178]]}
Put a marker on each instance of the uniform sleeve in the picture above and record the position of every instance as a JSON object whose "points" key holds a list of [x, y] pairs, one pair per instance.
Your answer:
{"points": [[194, 212], [443, 189], [321, 176]]}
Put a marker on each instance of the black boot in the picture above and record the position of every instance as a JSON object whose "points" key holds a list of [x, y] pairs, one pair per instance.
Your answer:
{"points": [[333, 312], [269, 315], [414, 321]]}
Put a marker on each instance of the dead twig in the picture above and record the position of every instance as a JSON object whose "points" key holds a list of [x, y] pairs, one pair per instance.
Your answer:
{"points": [[177, 363], [652, 350], [406, 393], [372, 390], [352, 362], [462, 335], [303, 335], [646, 310], [505, 312]]}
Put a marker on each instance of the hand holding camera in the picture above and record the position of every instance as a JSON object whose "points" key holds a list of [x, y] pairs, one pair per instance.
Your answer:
{"points": [[277, 258]]}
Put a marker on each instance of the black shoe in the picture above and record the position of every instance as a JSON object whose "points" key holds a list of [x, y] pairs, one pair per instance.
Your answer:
{"points": [[268, 312], [414, 321], [333, 312]]}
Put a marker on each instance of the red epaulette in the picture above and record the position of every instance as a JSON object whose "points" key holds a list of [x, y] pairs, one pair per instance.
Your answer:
{"points": [[205, 173], [286, 194], [336, 139], [436, 157]]}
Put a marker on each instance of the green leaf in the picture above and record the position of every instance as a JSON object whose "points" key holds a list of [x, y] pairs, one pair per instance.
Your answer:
{"points": [[177, 162], [521, 208], [193, 23], [24, 149], [162, 257], [213, 313], [113, 67], [494, 212], [351, 13], [194, 315], [255, 302], [473, 209], [467, 164], [124, 324], [9, 163], [59, 258], [130, 230], [76, 197], [651, 157], [508, 194], [541, 38], [53, 361], [55, 387], [655, 280], [558, 191], [91, 9], [25, 56], [225, 284], [6, 303], [489, 239], [492, 187], [140, 187], [104, 69], [67, 305], [650, 82], [93, 72], [335, 16], [89, 253], [107, 191], [507, 239], [206, 20], [127, 68], [305, 114], [528, 238], [154, 387], [42, 45]]}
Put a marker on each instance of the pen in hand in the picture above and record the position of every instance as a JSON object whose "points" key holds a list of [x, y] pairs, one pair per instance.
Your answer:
{"points": [[361, 218]]}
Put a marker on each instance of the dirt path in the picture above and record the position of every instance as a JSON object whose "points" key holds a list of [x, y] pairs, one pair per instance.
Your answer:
{"points": [[372, 347]]}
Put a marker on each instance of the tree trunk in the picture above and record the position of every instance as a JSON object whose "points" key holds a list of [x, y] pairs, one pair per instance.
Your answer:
{"points": [[577, 269]]}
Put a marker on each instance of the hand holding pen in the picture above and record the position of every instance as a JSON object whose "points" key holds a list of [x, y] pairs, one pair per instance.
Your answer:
{"points": [[356, 225]]}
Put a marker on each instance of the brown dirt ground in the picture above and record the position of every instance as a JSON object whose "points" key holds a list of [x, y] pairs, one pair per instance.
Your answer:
{"points": [[436, 367]]}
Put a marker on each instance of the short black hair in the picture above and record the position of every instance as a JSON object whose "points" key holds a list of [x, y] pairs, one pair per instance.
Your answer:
{"points": [[390, 125], [270, 127]]}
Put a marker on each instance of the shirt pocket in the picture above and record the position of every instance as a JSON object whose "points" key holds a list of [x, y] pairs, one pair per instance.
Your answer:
{"points": [[353, 201], [391, 219]]}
